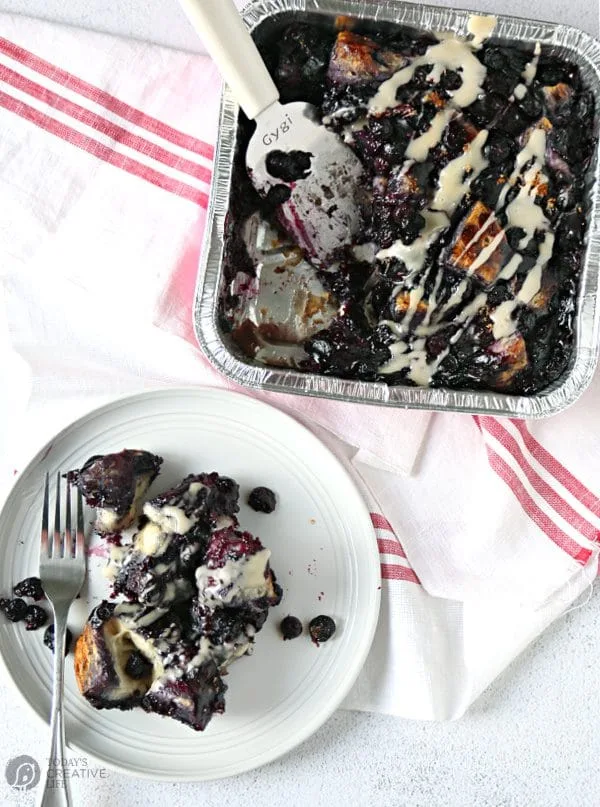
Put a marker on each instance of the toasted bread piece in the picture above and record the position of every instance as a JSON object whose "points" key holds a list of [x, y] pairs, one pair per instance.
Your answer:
{"points": [[480, 248], [102, 653]]}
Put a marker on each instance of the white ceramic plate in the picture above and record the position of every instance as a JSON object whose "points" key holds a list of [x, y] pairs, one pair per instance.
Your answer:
{"points": [[324, 554]]}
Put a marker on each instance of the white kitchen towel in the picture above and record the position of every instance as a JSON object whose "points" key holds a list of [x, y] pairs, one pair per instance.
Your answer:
{"points": [[487, 530]]}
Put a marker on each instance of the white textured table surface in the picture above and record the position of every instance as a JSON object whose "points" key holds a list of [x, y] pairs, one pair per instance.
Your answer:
{"points": [[533, 739]]}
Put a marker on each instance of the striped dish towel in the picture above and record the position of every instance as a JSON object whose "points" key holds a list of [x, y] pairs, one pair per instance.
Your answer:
{"points": [[490, 526]]}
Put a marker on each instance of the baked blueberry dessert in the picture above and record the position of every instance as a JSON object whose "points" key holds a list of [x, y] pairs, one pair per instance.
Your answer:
{"points": [[465, 274], [115, 484], [198, 591]]}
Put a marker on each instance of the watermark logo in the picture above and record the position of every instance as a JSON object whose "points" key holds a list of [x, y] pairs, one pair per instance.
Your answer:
{"points": [[22, 773]]}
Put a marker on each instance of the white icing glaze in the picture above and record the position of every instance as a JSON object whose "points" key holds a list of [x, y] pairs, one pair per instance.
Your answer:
{"points": [[452, 182], [481, 28], [236, 580], [419, 147], [413, 255], [504, 324], [414, 298], [409, 352], [168, 518], [530, 71], [456, 296], [107, 520], [486, 253], [194, 488], [534, 149], [450, 54], [151, 540], [533, 281], [511, 267]]}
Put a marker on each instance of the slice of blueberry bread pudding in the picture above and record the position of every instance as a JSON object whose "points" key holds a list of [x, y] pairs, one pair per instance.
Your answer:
{"points": [[197, 590], [465, 273], [116, 484]]}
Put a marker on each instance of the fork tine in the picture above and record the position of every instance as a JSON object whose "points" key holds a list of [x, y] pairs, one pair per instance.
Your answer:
{"points": [[68, 534], [57, 544], [44, 548], [80, 541]]}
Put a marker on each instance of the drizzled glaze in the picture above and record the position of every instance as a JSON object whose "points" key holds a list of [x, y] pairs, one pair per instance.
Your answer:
{"points": [[451, 54], [481, 28], [455, 179], [521, 212], [409, 349]]}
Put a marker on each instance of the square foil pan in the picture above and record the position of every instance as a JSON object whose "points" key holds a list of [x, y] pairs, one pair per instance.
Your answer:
{"points": [[264, 17]]}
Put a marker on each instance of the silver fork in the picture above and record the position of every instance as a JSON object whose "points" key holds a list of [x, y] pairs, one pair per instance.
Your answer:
{"points": [[62, 572]]}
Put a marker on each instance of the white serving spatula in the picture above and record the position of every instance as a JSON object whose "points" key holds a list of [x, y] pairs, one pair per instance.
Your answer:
{"points": [[289, 146]]}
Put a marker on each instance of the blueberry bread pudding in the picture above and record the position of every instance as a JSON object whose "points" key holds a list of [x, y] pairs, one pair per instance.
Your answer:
{"points": [[465, 272], [196, 589]]}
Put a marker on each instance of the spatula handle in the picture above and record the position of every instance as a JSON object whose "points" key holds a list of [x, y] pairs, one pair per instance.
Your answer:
{"points": [[228, 41]]}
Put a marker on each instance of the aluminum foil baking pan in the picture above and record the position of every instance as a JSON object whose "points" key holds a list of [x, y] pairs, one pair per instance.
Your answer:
{"points": [[264, 17]]}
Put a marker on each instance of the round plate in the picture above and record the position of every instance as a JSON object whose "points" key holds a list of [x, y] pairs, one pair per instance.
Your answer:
{"points": [[324, 554]]}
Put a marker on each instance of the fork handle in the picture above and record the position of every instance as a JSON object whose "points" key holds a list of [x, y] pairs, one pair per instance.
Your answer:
{"points": [[56, 787]]}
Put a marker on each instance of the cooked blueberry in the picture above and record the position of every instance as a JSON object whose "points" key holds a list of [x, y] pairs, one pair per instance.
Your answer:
{"points": [[321, 629], [498, 147], [288, 165], [531, 106], [450, 80], [230, 544], [30, 587], [35, 617], [494, 58], [277, 195], [455, 137], [514, 236], [262, 500], [49, 639], [138, 665], [301, 57], [15, 609], [290, 627], [102, 612]]}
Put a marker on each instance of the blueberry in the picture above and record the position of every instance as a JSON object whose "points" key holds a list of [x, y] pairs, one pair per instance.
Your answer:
{"points": [[15, 610], [288, 165], [550, 73], [450, 80], [321, 629], [49, 639], [138, 665], [262, 500], [290, 627], [514, 236], [277, 195], [494, 58], [498, 147], [35, 617], [410, 227], [531, 106], [455, 137], [30, 587]]}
